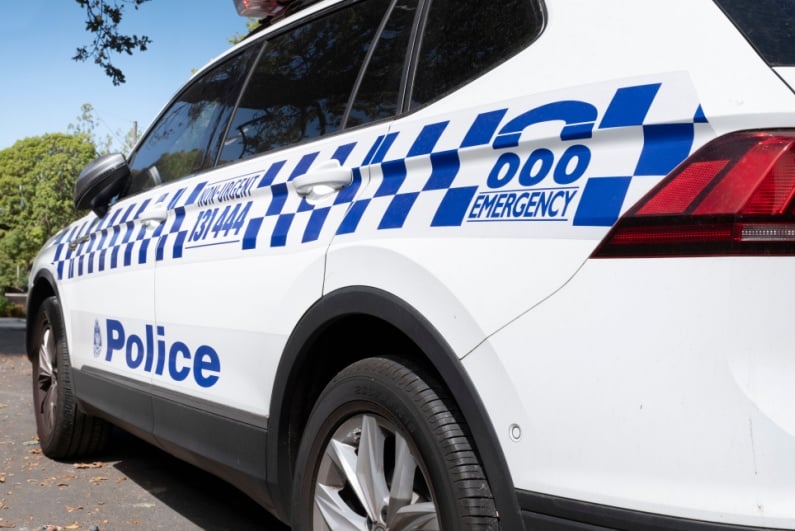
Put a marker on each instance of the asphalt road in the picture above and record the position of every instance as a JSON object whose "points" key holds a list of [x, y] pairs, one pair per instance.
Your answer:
{"points": [[133, 486]]}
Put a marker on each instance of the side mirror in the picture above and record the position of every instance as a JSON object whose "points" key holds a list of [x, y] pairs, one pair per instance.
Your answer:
{"points": [[102, 180]]}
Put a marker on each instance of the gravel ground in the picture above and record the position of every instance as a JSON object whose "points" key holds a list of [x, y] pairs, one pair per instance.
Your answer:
{"points": [[133, 486]]}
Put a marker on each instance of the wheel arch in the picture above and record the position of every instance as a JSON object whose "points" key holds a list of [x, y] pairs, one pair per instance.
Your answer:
{"points": [[43, 287], [354, 317]]}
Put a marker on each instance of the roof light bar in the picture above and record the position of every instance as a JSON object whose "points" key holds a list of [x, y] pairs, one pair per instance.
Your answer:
{"points": [[260, 8]]}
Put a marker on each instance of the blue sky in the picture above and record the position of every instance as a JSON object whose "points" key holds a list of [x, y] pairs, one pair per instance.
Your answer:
{"points": [[42, 88]]}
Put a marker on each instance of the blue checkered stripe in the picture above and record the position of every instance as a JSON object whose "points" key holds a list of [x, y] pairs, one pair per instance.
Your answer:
{"points": [[660, 148], [290, 219], [116, 240], [443, 191]]}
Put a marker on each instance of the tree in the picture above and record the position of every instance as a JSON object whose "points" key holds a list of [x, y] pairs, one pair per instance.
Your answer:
{"points": [[252, 24], [37, 177], [102, 19], [87, 124]]}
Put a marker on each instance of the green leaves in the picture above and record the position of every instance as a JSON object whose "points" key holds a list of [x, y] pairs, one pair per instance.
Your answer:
{"points": [[37, 177], [102, 20]]}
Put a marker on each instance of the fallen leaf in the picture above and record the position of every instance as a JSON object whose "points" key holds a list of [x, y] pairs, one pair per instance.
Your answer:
{"points": [[35, 451], [73, 526], [95, 464], [73, 509], [7, 526], [30, 443], [96, 480], [3, 405], [2, 479]]}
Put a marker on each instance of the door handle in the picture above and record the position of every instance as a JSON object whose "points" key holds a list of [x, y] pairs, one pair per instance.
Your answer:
{"points": [[154, 216], [329, 174]]}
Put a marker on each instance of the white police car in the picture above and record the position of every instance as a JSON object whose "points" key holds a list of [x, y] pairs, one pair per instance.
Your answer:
{"points": [[437, 264]]}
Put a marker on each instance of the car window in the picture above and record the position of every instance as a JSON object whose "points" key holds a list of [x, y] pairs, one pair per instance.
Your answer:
{"points": [[464, 38], [302, 82], [378, 93], [768, 24], [179, 142]]}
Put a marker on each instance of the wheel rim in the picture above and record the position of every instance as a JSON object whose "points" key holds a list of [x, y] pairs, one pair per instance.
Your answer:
{"points": [[47, 379], [369, 479]]}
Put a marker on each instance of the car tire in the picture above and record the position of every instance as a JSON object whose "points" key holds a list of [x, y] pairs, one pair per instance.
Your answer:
{"points": [[64, 431], [384, 449]]}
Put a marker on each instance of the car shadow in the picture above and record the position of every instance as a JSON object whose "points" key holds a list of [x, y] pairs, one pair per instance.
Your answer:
{"points": [[205, 500]]}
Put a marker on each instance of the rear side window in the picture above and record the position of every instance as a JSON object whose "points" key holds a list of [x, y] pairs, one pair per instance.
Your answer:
{"points": [[465, 38], [302, 83], [769, 25], [379, 90]]}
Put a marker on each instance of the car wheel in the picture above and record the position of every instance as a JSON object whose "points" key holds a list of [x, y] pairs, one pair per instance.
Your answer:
{"points": [[64, 431], [383, 449]]}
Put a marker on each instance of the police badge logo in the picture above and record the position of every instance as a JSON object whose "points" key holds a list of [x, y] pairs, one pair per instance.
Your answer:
{"points": [[97, 339]]}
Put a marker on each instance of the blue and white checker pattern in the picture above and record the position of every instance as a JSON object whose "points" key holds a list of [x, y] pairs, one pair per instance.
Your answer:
{"points": [[116, 240], [655, 139]]}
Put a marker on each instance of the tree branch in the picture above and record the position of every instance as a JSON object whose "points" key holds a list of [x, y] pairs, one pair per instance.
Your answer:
{"points": [[102, 20]]}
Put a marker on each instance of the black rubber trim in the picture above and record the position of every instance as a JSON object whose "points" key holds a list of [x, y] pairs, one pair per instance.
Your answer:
{"points": [[35, 298], [550, 513], [220, 440], [382, 305], [122, 401]]}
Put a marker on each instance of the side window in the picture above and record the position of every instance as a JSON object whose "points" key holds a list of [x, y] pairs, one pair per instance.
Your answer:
{"points": [[379, 89], [181, 141], [465, 38], [301, 86]]}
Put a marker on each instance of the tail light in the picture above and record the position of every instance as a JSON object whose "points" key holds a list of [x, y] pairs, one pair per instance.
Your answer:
{"points": [[734, 196]]}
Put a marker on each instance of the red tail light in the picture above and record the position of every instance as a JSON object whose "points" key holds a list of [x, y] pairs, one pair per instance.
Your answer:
{"points": [[733, 196]]}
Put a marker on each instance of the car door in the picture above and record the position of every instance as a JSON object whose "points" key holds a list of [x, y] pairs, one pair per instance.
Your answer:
{"points": [[107, 264], [247, 257], [106, 271]]}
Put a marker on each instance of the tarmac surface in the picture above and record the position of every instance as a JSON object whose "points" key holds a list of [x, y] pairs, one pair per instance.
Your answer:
{"points": [[132, 486]]}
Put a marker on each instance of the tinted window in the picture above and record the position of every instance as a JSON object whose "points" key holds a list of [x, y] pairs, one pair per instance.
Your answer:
{"points": [[768, 24], [303, 81], [464, 38], [378, 92], [179, 142]]}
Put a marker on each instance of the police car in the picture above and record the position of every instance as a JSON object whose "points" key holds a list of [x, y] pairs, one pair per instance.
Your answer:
{"points": [[436, 264]]}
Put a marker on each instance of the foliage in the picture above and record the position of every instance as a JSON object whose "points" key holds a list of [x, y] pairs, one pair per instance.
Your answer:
{"points": [[8, 309], [87, 124], [251, 25], [37, 177], [102, 19]]}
